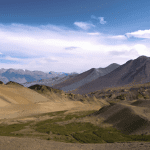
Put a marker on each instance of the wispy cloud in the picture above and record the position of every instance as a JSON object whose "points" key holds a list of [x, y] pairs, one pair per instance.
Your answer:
{"points": [[101, 19], [84, 25], [93, 17], [58, 48], [125, 52], [70, 48]]}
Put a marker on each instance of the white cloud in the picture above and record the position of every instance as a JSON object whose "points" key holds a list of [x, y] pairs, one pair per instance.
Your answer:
{"points": [[84, 25], [118, 37], [101, 19], [11, 58], [57, 48], [139, 34], [142, 49], [94, 33]]}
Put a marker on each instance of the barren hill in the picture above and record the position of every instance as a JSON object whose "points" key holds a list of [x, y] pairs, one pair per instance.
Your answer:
{"points": [[17, 100], [13, 83]]}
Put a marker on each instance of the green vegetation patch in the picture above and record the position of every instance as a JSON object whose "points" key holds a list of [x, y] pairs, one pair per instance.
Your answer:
{"points": [[69, 117], [111, 135], [79, 115], [51, 114], [87, 138], [84, 132], [81, 132], [5, 130], [140, 137], [66, 129], [48, 122]]}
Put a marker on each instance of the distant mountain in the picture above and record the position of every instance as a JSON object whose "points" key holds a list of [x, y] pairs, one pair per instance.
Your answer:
{"points": [[49, 82], [61, 74], [85, 77], [132, 72], [70, 81], [21, 76]]}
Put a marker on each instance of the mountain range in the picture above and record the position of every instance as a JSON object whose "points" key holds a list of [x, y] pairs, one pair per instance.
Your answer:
{"points": [[132, 72], [74, 79], [85, 77], [62, 73], [21, 76]]}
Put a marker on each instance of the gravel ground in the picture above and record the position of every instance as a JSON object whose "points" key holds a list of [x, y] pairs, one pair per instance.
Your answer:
{"points": [[15, 143]]}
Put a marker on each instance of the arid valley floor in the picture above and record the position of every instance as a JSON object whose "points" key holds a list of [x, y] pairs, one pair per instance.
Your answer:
{"points": [[45, 118]]}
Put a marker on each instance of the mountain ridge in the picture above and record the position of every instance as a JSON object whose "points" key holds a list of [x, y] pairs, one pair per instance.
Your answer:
{"points": [[133, 71], [22, 76], [85, 77]]}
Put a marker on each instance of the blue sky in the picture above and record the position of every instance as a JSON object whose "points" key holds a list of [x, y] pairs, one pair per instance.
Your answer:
{"points": [[72, 36]]}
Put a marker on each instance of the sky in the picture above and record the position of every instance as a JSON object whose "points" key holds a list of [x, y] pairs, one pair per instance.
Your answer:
{"points": [[72, 36]]}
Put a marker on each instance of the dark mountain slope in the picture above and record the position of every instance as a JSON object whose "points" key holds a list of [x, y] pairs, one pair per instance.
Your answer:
{"points": [[85, 77], [50, 81], [132, 72], [75, 79]]}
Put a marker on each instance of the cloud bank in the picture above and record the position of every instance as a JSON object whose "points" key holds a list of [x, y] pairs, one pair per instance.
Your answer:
{"points": [[62, 49]]}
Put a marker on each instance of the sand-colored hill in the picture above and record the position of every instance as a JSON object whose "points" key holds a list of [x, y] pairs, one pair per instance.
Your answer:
{"points": [[16, 100], [13, 94], [56, 95]]}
